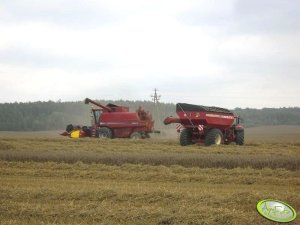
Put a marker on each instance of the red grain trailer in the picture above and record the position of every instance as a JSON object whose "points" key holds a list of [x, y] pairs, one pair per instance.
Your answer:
{"points": [[208, 125]]}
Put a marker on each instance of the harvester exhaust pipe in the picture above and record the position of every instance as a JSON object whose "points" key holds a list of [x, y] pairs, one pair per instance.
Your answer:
{"points": [[87, 101]]}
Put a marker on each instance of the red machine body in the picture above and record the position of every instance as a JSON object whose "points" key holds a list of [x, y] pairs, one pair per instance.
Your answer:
{"points": [[113, 121], [209, 125]]}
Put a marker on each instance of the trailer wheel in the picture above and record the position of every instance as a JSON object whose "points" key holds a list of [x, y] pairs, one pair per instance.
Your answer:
{"points": [[136, 135], [185, 137], [213, 137], [239, 137], [104, 132]]}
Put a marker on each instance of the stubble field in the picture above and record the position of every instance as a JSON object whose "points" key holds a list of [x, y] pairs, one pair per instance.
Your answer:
{"points": [[54, 180]]}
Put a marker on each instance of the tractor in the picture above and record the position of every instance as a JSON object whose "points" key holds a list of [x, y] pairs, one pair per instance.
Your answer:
{"points": [[113, 121], [206, 125]]}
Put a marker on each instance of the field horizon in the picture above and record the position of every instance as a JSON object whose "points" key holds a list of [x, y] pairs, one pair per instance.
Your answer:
{"points": [[271, 133]]}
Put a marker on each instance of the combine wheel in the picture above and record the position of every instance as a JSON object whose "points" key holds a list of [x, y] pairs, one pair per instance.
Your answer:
{"points": [[136, 135], [185, 137], [214, 137], [105, 132], [239, 138]]}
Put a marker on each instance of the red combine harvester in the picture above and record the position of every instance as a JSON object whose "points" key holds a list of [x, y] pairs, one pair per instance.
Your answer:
{"points": [[209, 125], [112, 121]]}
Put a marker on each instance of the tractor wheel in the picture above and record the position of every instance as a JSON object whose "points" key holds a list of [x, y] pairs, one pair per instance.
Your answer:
{"points": [[185, 137], [136, 135], [213, 137], [239, 137], [105, 132]]}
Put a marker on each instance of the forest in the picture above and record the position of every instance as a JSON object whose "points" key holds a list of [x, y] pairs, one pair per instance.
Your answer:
{"points": [[50, 115]]}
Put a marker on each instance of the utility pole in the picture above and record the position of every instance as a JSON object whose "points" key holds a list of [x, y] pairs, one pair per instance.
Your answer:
{"points": [[155, 97]]}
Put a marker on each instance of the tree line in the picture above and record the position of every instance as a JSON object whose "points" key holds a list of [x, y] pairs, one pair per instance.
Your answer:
{"points": [[36, 116]]}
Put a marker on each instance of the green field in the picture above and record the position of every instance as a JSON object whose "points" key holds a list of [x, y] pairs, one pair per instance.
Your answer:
{"points": [[55, 180]]}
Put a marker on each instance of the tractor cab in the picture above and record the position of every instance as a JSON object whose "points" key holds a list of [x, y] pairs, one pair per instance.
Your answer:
{"points": [[96, 116], [237, 123], [237, 120]]}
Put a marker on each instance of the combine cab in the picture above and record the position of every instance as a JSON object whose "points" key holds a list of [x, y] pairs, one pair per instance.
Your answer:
{"points": [[208, 125], [112, 121]]}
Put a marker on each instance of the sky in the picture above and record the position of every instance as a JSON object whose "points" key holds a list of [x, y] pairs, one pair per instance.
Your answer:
{"points": [[226, 53]]}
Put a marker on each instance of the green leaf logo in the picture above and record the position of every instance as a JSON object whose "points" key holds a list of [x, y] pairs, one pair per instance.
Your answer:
{"points": [[276, 210]]}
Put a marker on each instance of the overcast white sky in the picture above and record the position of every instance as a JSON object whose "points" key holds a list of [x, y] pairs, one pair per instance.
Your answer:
{"points": [[227, 53]]}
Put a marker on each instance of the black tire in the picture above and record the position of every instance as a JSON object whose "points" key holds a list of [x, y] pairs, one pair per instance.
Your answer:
{"points": [[239, 137], [185, 137], [214, 137], [104, 132], [136, 135]]}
